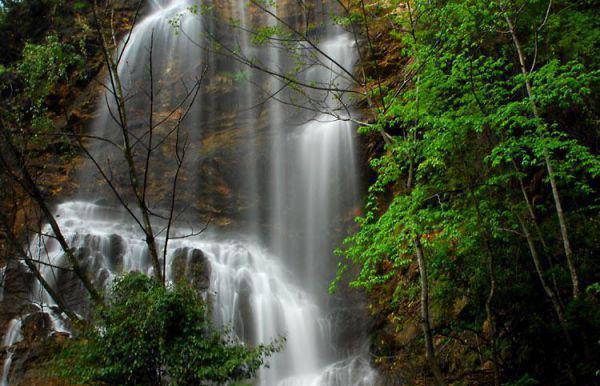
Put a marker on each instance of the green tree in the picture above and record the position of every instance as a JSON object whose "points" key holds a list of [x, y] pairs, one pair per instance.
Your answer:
{"points": [[492, 166], [152, 335]]}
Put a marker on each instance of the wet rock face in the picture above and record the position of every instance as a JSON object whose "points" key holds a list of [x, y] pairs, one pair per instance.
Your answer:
{"points": [[90, 260], [30, 359], [115, 252], [191, 265], [17, 285], [199, 269], [244, 323], [178, 265], [37, 345], [36, 326], [98, 256], [72, 291], [68, 283], [348, 317]]}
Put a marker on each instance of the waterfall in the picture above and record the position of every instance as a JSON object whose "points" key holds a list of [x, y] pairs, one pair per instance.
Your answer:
{"points": [[297, 183], [12, 336]]}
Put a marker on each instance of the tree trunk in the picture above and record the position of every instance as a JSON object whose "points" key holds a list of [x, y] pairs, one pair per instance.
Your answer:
{"points": [[555, 194], [27, 183], [62, 306], [539, 270], [117, 92], [538, 231], [530, 209], [425, 320], [488, 301]]}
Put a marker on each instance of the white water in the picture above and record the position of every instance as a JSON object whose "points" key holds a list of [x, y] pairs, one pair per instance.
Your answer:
{"points": [[263, 286], [252, 292], [12, 336]]}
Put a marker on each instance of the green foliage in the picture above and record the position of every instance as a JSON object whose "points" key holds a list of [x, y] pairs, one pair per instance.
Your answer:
{"points": [[80, 5], [41, 69], [262, 35], [464, 136], [37, 78], [44, 65], [525, 380], [149, 334]]}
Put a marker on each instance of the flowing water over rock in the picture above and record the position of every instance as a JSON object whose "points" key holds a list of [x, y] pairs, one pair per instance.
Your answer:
{"points": [[12, 336], [297, 182]]}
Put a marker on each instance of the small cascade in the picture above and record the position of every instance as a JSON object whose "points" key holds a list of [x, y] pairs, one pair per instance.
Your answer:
{"points": [[322, 148], [12, 336], [354, 371]]}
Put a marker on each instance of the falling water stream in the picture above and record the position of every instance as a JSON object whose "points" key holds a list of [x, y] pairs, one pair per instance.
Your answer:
{"points": [[268, 278]]}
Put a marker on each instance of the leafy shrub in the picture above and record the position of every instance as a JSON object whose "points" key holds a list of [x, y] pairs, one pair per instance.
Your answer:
{"points": [[152, 335]]}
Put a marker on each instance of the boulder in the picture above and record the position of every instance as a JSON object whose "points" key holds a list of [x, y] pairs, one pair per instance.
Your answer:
{"points": [[30, 359], [17, 283], [73, 291], [36, 326], [114, 251], [198, 269], [191, 265], [178, 265]]}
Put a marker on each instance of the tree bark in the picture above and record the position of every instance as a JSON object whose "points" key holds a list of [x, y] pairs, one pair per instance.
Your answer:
{"points": [[117, 92], [540, 236], [425, 320], [549, 292], [555, 194], [60, 303], [488, 301], [27, 183], [529, 205]]}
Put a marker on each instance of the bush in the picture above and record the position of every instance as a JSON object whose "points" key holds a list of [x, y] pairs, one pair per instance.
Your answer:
{"points": [[152, 335]]}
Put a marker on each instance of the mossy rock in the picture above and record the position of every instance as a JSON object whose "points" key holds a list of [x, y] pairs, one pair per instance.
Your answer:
{"points": [[190, 265]]}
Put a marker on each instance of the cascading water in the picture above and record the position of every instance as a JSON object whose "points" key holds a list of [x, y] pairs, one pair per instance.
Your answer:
{"points": [[12, 336], [268, 277]]}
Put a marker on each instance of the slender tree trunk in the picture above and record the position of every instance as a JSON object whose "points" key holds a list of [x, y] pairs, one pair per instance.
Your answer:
{"points": [[489, 313], [538, 231], [488, 301], [551, 176], [60, 303], [425, 320], [529, 205], [424, 277], [81, 274], [551, 296], [117, 91], [563, 229], [549, 292], [133, 176], [27, 183]]}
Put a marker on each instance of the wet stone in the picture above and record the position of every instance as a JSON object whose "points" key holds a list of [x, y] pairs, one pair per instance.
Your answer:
{"points": [[192, 265], [82, 253], [199, 270], [115, 252], [36, 326], [73, 291], [102, 278], [18, 284]]}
